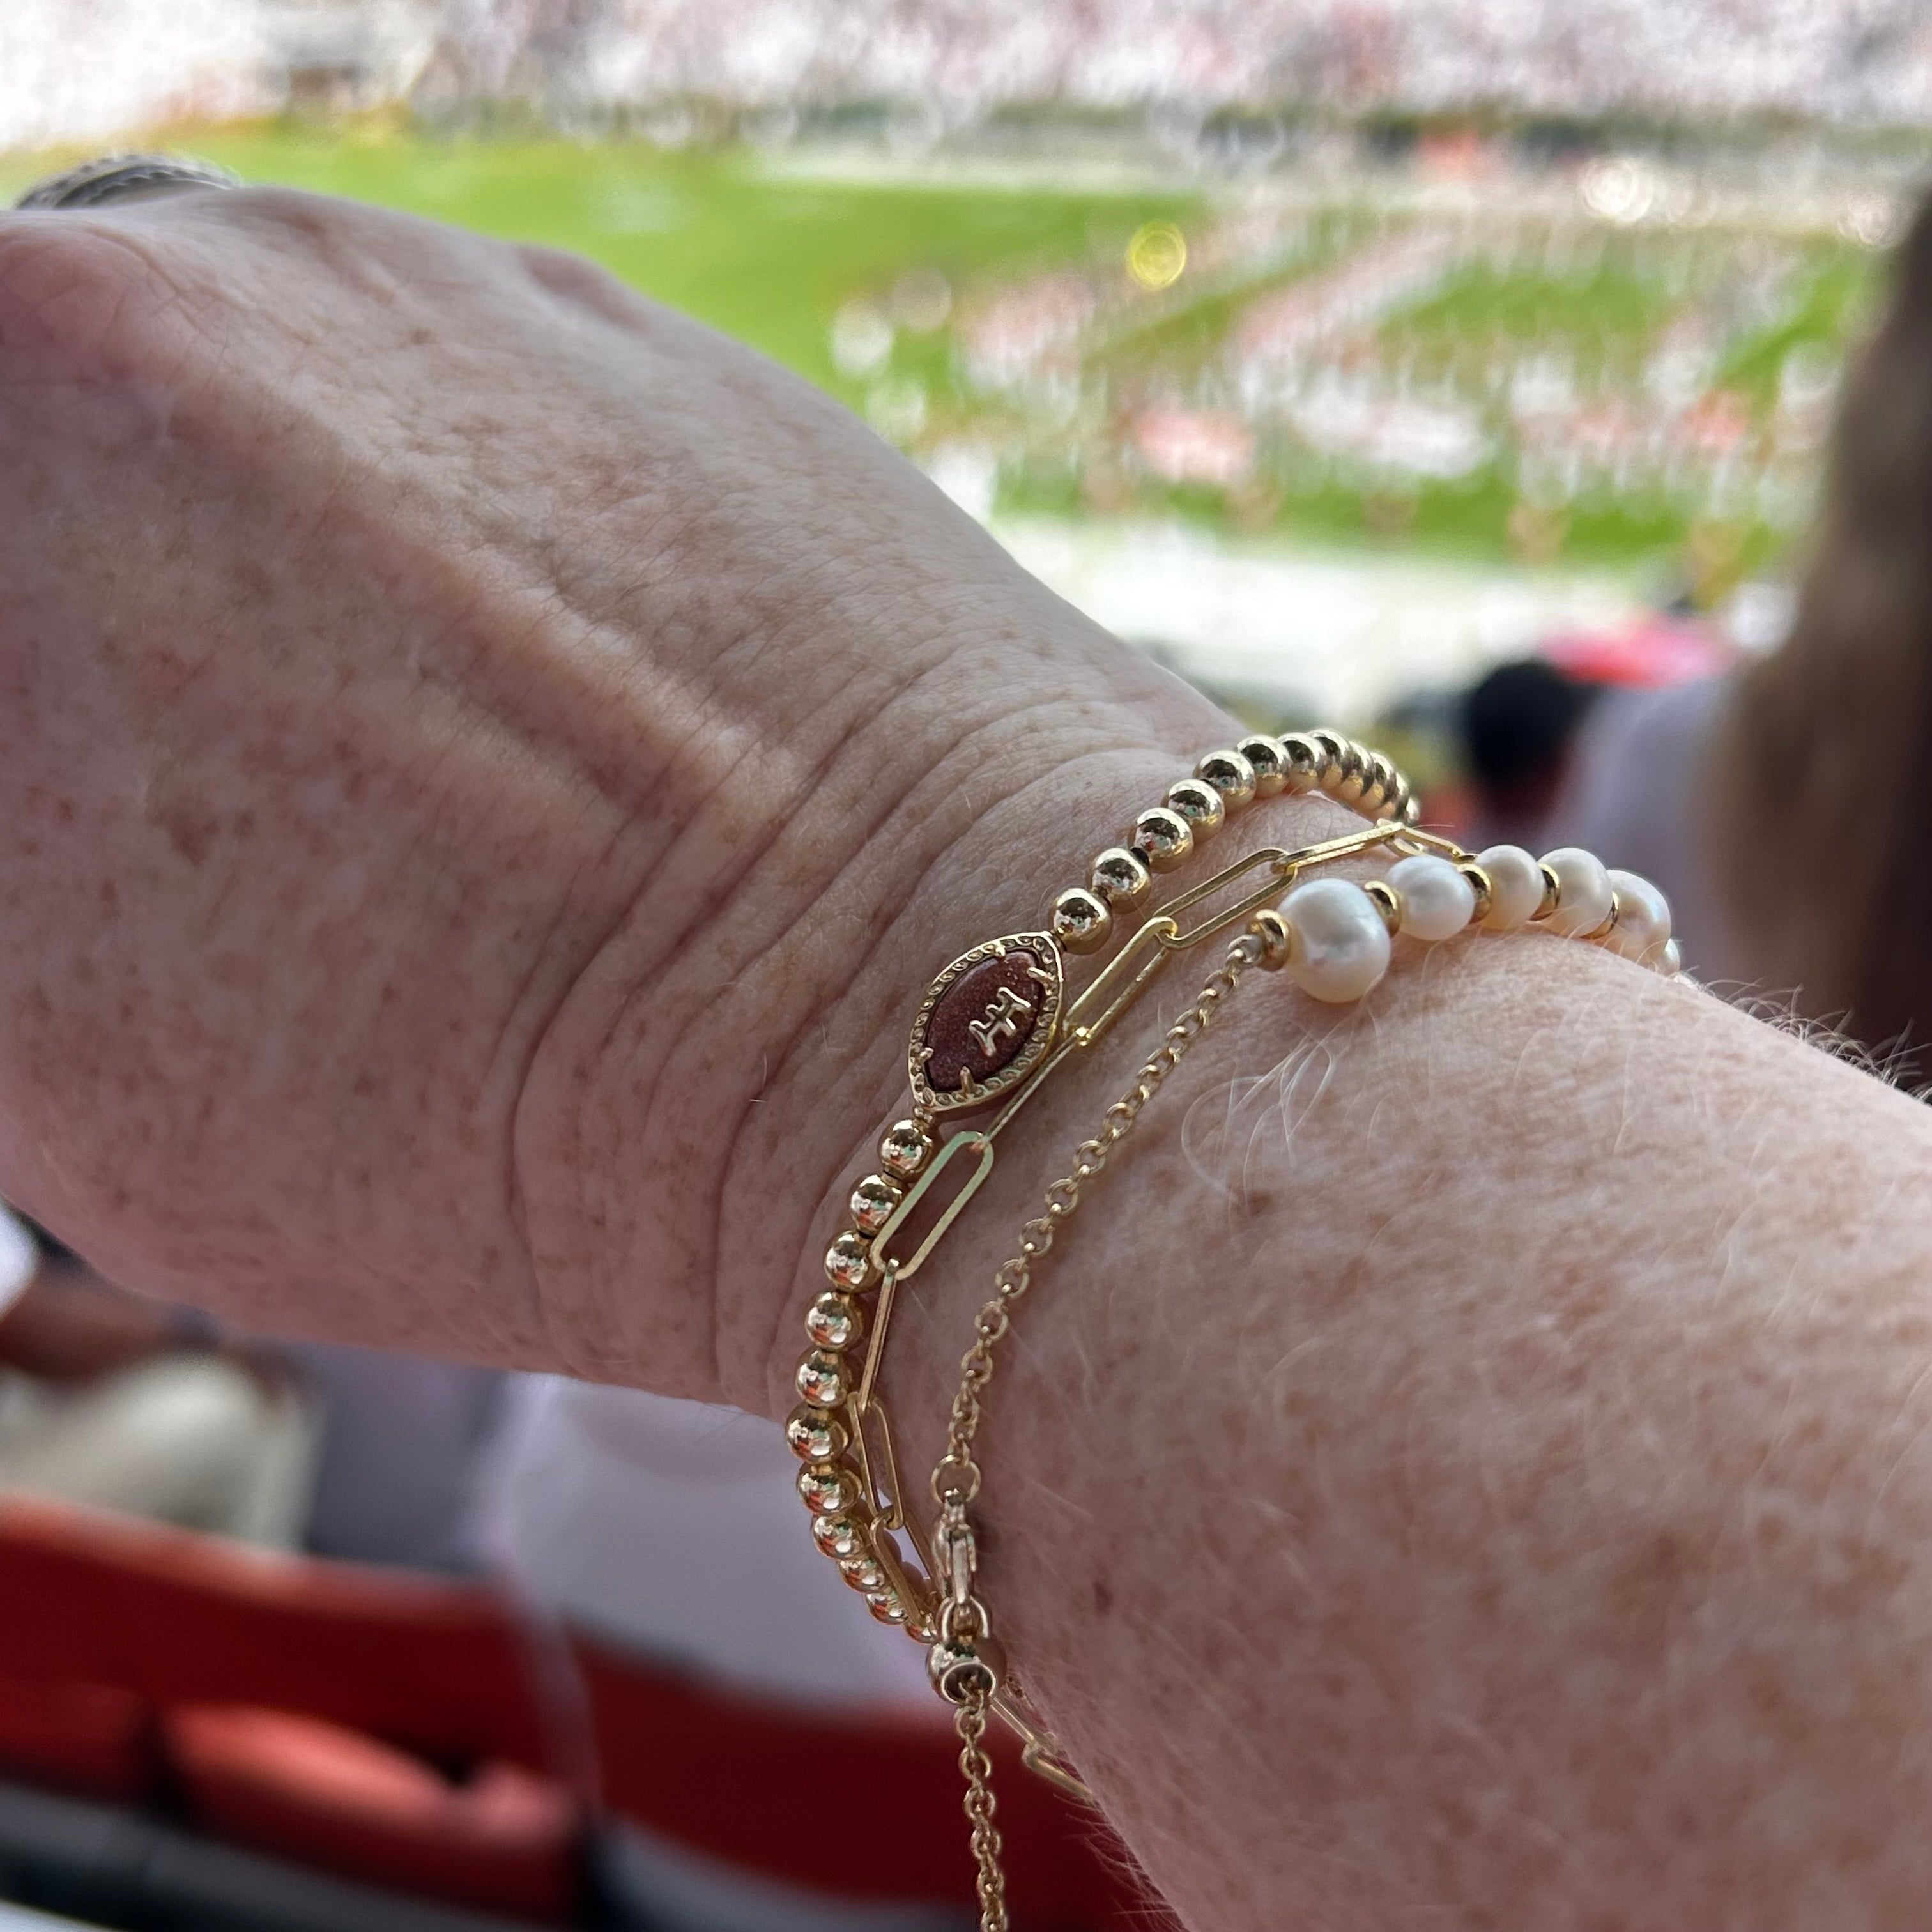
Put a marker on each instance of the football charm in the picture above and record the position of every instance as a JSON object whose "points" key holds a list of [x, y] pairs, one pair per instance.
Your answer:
{"points": [[986, 1022]]}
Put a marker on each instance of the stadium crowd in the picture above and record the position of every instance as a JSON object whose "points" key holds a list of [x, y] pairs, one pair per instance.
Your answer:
{"points": [[72, 69]]}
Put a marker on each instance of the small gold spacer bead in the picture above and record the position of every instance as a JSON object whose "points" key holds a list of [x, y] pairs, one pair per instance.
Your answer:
{"points": [[873, 1201], [1231, 775], [1552, 891], [905, 1148], [822, 1379], [1276, 936], [841, 1535], [1268, 761], [827, 1488], [815, 1436], [1163, 837], [1081, 921], [1121, 877], [1483, 886], [848, 1262], [1378, 781], [886, 1606], [1386, 902], [834, 1321], [1332, 746], [1610, 925], [1199, 803], [1352, 774], [864, 1572], [1304, 759]]}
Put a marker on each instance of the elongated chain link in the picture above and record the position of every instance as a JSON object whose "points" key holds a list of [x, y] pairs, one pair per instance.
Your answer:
{"points": [[959, 1475], [956, 1481]]}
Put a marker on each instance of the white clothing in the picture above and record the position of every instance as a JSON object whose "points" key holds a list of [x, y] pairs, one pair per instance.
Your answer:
{"points": [[186, 1439], [674, 1528], [1631, 797], [19, 1260]]}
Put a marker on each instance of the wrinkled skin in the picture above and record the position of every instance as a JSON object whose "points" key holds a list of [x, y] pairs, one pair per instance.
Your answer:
{"points": [[434, 686]]}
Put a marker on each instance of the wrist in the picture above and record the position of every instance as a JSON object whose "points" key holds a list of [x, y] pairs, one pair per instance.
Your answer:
{"points": [[716, 1082]]}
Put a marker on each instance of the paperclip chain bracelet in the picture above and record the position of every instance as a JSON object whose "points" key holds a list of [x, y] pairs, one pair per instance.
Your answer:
{"points": [[988, 1027]]}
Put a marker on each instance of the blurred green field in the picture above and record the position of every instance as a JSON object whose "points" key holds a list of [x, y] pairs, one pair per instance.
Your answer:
{"points": [[1626, 472], [766, 258]]}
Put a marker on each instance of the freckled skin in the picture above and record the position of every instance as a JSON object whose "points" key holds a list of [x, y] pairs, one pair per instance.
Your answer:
{"points": [[487, 772]]}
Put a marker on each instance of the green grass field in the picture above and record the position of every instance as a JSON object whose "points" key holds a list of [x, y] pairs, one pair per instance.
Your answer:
{"points": [[765, 259], [772, 256]]}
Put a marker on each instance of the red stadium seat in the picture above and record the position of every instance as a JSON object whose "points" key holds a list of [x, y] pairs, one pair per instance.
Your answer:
{"points": [[726, 1776], [301, 1707], [503, 1839], [404, 1730]]}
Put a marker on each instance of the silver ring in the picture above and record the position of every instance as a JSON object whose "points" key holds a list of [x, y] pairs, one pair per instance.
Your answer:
{"points": [[123, 177]]}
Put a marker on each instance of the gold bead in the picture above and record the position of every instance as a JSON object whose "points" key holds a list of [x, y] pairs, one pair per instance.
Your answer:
{"points": [[1411, 813], [822, 1379], [1483, 886], [1346, 778], [1267, 761], [1377, 777], [1610, 925], [864, 1572], [1329, 746], [814, 1436], [1081, 920], [1276, 936], [834, 1321], [886, 1606], [1231, 775], [841, 1535], [1383, 894], [1199, 803], [826, 1489], [1303, 759], [873, 1201], [1163, 837], [905, 1148], [1396, 799], [848, 1262], [1121, 877], [1553, 890], [960, 1672]]}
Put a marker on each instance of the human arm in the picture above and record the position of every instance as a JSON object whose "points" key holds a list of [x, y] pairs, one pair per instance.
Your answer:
{"points": [[488, 771]]}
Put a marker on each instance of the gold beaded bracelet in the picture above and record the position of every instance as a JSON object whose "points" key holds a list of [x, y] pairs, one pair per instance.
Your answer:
{"points": [[841, 1430]]}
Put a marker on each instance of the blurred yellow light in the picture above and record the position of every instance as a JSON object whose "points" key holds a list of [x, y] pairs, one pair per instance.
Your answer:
{"points": [[1156, 255]]}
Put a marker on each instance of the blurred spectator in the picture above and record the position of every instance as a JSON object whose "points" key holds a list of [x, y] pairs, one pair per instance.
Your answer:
{"points": [[1817, 767], [1778, 808], [1519, 726], [109, 1399]]}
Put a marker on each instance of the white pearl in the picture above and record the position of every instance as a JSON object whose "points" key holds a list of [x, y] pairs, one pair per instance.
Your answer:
{"points": [[1670, 961], [1339, 947], [1437, 902], [1582, 891], [1643, 918], [1516, 887]]}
